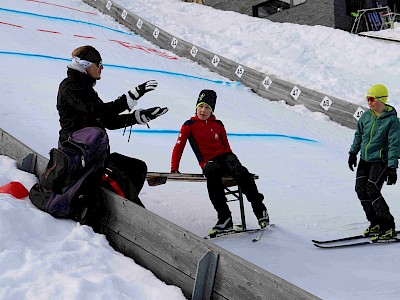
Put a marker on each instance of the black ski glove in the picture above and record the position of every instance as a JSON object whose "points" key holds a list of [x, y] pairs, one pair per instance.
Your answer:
{"points": [[142, 89], [143, 116], [352, 161], [137, 92], [391, 176]]}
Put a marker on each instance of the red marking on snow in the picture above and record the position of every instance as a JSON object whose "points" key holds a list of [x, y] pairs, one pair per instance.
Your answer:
{"points": [[15, 189], [145, 49], [49, 31], [122, 43], [85, 37], [11, 24], [86, 12]]}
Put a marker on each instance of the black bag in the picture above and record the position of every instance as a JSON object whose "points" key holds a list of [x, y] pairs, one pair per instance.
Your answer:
{"points": [[72, 175], [125, 176]]}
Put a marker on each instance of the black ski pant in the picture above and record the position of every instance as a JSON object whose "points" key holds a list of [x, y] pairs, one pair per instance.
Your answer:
{"points": [[129, 173], [369, 181], [229, 165]]}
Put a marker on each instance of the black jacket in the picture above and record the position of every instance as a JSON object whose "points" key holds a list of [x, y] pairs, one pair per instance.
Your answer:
{"points": [[79, 106]]}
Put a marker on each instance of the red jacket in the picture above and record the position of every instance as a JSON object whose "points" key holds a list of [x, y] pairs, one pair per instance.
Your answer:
{"points": [[207, 138]]}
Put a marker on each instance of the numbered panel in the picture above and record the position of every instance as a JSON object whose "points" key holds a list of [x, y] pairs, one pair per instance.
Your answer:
{"points": [[295, 93], [124, 14], [358, 113], [108, 5], [194, 51], [156, 33], [215, 61], [239, 71], [139, 24], [326, 103], [174, 42], [267, 82]]}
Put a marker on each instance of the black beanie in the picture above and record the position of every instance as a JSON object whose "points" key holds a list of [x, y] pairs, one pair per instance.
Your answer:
{"points": [[90, 53], [209, 97]]}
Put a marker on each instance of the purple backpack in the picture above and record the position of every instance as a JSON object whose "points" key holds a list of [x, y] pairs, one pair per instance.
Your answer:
{"points": [[72, 174]]}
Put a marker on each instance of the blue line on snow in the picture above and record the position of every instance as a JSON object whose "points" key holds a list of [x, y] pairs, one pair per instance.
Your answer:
{"points": [[268, 135], [33, 55], [64, 19], [176, 74], [125, 67]]}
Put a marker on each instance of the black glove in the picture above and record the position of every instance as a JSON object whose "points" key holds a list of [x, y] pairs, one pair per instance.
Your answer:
{"points": [[352, 161], [142, 89], [143, 116], [391, 176], [137, 92]]}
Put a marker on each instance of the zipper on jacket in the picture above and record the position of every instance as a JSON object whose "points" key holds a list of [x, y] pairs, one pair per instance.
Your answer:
{"points": [[370, 138]]}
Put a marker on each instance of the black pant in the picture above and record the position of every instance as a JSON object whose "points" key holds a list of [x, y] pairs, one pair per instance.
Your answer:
{"points": [[229, 164], [369, 182], [129, 173]]}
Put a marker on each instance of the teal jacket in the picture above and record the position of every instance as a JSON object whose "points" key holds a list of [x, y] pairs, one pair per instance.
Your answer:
{"points": [[378, 137]]}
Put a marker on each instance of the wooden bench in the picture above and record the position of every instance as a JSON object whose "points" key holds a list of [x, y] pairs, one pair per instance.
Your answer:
{"points": [[230, 185]]}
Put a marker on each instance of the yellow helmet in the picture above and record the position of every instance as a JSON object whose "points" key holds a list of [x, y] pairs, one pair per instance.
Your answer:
{"points": [[379, 92]]}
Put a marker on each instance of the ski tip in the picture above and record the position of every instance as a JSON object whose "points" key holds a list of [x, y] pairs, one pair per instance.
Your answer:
{"points": [[321, 246]]}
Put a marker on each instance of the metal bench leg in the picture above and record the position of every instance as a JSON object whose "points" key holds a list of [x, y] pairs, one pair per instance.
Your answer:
{"points": [[242, 214], [238, 196]]}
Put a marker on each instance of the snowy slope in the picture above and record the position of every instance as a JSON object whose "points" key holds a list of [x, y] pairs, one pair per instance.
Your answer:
{"points": [[307, 185]]}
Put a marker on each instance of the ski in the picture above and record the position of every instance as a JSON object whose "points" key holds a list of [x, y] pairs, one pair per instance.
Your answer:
{"points": [[238, 231], [257, 238], [262, 230], [348, 238], [355, 244], [230, 232]]}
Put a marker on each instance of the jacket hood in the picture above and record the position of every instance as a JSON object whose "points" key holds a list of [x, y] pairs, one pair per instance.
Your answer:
{"points": [[390, 109]]}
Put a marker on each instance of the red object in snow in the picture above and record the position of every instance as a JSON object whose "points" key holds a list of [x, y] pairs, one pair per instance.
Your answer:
{"points": [[15, 189]]}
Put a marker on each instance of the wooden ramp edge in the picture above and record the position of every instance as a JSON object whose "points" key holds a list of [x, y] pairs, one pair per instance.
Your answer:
{"points": [[169, 251]]}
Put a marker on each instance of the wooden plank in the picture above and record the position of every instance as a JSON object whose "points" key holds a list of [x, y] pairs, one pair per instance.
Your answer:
{"points": [[13, 148], [158, 178], [164, 271], [176, 247]]}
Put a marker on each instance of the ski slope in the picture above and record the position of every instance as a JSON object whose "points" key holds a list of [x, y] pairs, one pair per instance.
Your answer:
{"points": [[301, 157]]}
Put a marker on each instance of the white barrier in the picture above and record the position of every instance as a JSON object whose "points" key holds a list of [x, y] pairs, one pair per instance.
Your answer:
{"points": [[266, 85]]}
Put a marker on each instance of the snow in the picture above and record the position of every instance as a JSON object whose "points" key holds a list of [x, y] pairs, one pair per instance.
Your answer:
{"points": [[308, 188]]}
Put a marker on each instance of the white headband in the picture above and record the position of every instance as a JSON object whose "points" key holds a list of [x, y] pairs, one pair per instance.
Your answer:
{"points": [[79, 64], [82, 62]]}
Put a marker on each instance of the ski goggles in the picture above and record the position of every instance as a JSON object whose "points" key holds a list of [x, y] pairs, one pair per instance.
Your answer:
{"points": [[374, 99]]}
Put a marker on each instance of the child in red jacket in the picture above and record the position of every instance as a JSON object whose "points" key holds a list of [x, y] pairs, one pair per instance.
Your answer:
{"points": [[208, 139]]}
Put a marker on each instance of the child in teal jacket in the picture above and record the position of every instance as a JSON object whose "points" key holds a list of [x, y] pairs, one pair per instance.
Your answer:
{"points": [[378, 141]]}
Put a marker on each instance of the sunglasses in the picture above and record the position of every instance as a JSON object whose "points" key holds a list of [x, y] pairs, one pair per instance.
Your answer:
{"points": [[371, 99], [100, 64]]}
